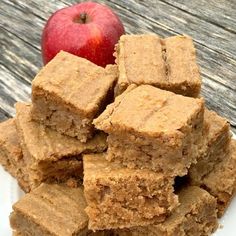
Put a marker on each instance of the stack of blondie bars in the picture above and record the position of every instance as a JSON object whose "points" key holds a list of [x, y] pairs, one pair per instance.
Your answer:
{"points": [[126, 150]]}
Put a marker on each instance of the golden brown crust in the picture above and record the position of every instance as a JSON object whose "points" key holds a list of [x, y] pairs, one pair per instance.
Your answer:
{"points": [[168, 63], [69, 92], [149, 110], [183, 73], [139, 59], [76, 81]]}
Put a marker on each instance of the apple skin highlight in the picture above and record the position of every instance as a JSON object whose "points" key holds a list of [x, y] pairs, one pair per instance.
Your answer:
{"points": [[89, 30]]}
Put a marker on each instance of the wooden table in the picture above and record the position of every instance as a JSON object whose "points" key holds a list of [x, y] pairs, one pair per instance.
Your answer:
{"points": [[211, 23]]}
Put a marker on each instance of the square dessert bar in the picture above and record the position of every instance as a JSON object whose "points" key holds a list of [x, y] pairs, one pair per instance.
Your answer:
{"points": [[221, 181], [69, 92], [154, 129], [52, 210], [50, 156], [196, 215], [168, 64], [11, 157], [217, 147], [119, 197]]}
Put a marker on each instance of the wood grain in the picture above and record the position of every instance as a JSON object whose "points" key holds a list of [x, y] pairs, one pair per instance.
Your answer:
{"points": [[211, 23], [227, 9], [3, 115]]}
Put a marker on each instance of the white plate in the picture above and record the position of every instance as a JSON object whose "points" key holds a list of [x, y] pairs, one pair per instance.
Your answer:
{"points": [[10, 192]]}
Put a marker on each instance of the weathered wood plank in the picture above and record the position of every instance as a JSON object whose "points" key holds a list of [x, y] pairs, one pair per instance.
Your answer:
{"points": [[216, 98], [181, 22], [21, 21], [18, 56], [3, 115], [22, 41], [169, 17], [220, 13], [12, 90]]}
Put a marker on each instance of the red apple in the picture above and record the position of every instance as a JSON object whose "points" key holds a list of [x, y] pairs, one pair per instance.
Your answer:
{"points": [[88, 30]]}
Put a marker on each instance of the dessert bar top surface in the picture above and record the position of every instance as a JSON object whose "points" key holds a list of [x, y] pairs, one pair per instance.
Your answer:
{"points": [[216, 123], [9, 138], [57, 208], [181, 59], [46, 144], [168, 61], [223, 176], [96, 166], [138, 55], [76, 81], [146, 109]]}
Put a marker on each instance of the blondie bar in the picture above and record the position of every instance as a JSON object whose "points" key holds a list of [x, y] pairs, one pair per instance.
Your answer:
{"points": [[52, 210], [221, 181], [154, 129], [69, 92], [217, 147], [119, 197], [11, 157], [49, 155], [165, 63], [196, 215]]}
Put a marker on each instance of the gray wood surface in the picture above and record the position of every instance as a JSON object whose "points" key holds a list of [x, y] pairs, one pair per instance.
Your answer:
{"points": [[211, 23]]}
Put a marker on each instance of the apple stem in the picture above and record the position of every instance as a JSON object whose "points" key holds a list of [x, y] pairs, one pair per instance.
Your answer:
{"points": [[82, 18]]}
